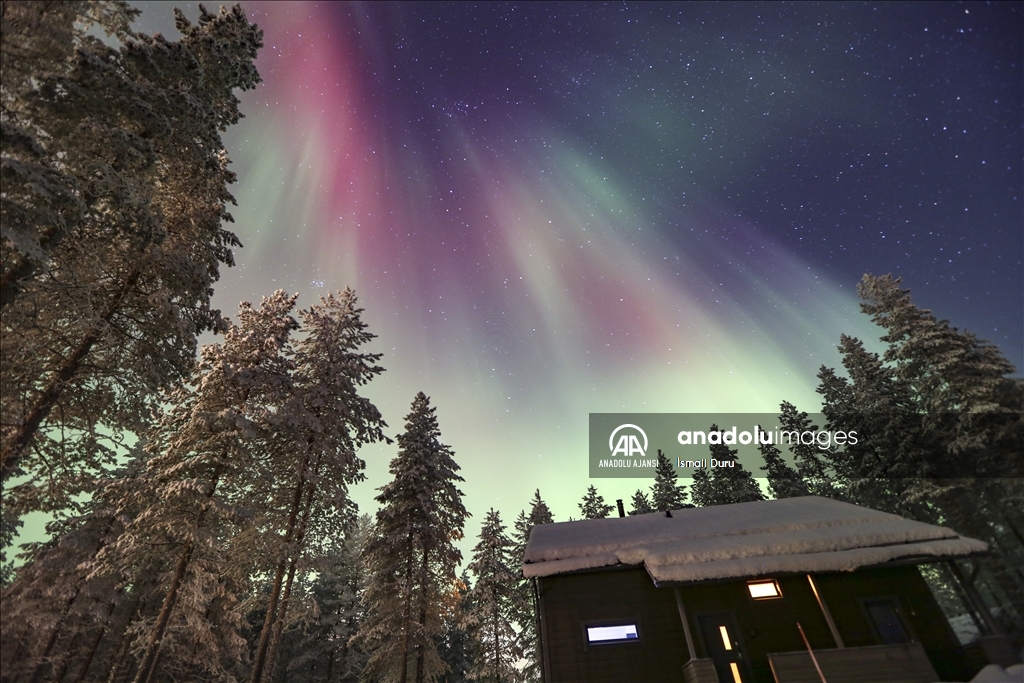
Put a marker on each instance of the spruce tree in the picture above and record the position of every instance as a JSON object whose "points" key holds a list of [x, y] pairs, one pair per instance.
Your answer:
{"points": [[812, 467], [725, 484], [411, 557], [702, 493], [529, 634], [640, 504], [456, 643], [666, 494], [938, 418], [593, 505], [783, 480], [318, 648], [497, 605]]}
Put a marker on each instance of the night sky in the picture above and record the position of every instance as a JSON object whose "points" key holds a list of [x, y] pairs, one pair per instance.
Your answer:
{"points": [[554, 209]]}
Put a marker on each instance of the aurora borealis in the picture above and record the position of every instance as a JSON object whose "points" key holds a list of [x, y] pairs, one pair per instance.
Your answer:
{"points": [[553, 209]]}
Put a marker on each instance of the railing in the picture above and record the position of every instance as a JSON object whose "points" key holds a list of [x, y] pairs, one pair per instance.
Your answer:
{"points": [[905, 663]]}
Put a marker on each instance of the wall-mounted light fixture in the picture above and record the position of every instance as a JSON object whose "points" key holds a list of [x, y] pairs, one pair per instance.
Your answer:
{"points": [[764, 589]]}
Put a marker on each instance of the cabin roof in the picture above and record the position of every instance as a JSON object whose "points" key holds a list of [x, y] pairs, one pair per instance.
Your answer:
{"points": [[743, 540]]}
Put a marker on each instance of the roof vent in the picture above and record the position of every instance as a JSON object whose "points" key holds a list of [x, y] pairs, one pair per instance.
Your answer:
{"points": [[668, 513]]}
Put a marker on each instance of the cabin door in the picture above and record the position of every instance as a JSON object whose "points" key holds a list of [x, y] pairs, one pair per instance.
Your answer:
{"points": [[723, 646]]}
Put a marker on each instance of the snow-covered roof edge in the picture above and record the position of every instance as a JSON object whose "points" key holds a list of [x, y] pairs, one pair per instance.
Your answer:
{"points": [[744, 540]]}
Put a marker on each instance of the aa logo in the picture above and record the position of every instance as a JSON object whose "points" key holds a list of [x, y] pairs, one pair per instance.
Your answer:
{"points": [[628, 443]]}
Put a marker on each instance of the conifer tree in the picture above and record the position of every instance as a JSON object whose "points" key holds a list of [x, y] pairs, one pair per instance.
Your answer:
{"points": [[666, 494], [456, 644], [497, 605], [593, 505], [539, 512], [115, 191], [192, 495], [938, 418], [311, 451], [529, 634], [811, 465], [53, 606], [640, 504], [411, 557], [702, 493], [783, 480], [725, 484], [318, 648]]}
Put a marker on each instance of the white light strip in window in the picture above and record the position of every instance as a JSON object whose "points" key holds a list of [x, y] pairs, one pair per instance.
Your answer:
{"points": [[600, 634]]}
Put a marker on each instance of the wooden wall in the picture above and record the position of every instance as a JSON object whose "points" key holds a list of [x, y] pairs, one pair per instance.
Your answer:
{"points": [[570, 602]]}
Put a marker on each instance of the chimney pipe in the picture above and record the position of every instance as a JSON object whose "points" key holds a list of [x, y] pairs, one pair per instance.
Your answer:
{"points": [[622, 513]]}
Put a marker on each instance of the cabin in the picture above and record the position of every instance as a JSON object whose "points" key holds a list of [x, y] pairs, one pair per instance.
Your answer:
{"points": [[798, 590]]}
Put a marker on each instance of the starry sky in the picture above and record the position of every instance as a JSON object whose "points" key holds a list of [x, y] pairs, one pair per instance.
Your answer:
{"points": [[553, 209]]}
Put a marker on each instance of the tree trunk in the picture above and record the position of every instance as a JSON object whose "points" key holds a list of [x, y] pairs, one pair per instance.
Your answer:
{"points": [[330, 667], [42, 664], [421, 648], [403, 673], [95, 646], [52, 640], [497, 650], [121, 654], [260, 660], [47, 399], [145, 671], [153, 646], [300, 536]]}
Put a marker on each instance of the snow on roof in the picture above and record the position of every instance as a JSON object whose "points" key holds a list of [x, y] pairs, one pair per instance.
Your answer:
{"points": [[798, 535]]}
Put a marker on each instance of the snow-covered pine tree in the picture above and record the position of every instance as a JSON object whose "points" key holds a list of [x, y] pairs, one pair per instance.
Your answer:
{"points": [[497, 605], [115, 191], [411, 557], [783, 480], [311, 452], [938, 417], [191, 509], [529, 635], [43, 199], [54, 609], [593, 506], [666, 494], [539, 512], [640, 503], [725, 484]]}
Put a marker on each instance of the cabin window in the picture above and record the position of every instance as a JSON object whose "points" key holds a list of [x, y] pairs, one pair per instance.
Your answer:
{"points": [[764, 589], [619, 633], [885, 617]]}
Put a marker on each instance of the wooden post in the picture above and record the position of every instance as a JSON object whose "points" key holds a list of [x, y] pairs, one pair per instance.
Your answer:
{"points": [[686, 623], [828, 615]]}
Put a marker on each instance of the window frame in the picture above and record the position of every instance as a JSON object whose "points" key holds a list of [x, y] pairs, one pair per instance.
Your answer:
{"points": [[901, 615], [605, 623]]}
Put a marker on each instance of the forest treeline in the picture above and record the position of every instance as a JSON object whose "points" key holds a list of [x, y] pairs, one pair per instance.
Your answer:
{"points": [[202, 525]]}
